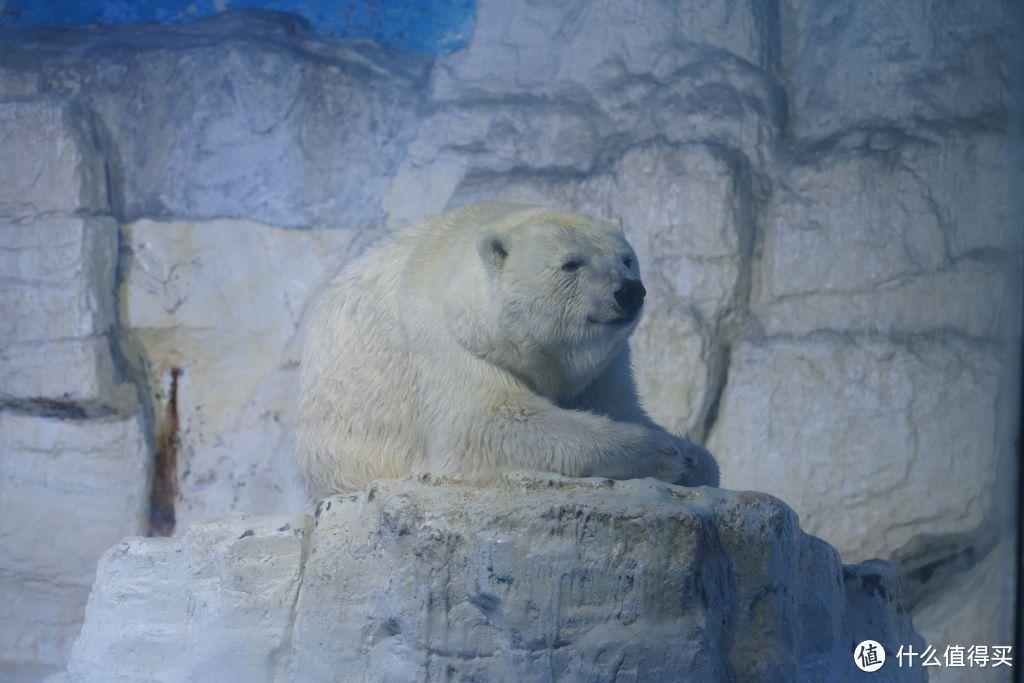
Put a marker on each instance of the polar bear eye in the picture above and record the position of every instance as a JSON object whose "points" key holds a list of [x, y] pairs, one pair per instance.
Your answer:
{"points": [[572, 264], [627, 261]]}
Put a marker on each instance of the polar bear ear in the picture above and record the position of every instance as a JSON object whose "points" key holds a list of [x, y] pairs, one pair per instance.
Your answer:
{"points": [[493, 249]]}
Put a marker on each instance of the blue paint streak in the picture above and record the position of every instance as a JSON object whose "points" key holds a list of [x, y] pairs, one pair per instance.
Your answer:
{"points": [[433, 26]]}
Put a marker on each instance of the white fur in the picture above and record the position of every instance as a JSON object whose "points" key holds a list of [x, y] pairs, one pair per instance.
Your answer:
{"points": [[462, 346]]}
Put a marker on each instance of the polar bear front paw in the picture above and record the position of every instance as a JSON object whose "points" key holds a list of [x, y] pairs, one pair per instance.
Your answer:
{"points": [[668, 459], [701, 467], [678, 460]]}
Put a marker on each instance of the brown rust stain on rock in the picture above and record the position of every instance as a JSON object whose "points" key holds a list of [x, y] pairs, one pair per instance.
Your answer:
{"points": [[165, 467]]}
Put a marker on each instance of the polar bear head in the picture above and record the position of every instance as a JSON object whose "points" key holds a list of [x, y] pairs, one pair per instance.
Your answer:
{"points": [[563, 294]]}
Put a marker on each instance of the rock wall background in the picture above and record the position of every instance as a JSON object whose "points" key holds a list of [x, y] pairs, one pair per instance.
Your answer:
{"points": [[824, 198]]}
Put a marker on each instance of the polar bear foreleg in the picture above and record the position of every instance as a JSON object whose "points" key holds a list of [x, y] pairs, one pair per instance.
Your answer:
{"points": [[538, 435]]}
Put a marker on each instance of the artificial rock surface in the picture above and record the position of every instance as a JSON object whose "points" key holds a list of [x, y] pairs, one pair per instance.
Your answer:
{"points": [[236, 342], [73, 449], [893, 443], [58, 260], [57, 289], [975, 604], [537, 577], [237, 117], [854, 65], [85, 485], [52, 164]]}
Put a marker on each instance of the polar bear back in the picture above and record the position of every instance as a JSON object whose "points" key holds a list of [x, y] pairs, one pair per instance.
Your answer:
{"points": [[357, 418], [361, 408]]}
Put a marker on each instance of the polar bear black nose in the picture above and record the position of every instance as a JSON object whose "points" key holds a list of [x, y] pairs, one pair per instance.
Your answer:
{"points": [[630, 296]]}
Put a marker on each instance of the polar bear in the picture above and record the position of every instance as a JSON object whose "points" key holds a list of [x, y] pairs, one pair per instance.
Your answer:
{"points": [[490, 338]]}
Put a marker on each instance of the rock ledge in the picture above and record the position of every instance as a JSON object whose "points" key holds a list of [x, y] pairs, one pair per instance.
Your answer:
{"points": [[535, 578]]}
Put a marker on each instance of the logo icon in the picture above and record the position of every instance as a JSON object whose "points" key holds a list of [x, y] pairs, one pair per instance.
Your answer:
{"points": [[869, 655]]}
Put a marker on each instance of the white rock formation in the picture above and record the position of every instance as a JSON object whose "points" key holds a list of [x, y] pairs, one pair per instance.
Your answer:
{"points": [[85, 483], [565, 52], [190, 303], [58, 257], [57, 311], [868, 399], [974, 605], [536, 578], [904, 249], [863, 65], [220, 124], [51, 163]]}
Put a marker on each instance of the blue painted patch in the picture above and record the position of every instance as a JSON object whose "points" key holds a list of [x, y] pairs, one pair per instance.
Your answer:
{"points": [[435, 26]]}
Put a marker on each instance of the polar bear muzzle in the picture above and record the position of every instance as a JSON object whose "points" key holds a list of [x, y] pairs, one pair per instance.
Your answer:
{"points": [[630, 297]]}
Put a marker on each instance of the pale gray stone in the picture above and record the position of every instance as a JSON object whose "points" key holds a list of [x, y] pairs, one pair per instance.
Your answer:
{"points": [[88, 481], [51, 163], [237, 342], [842, 225], [57, 313], [853, 64], [15, 83], [538, 577], [977, 609], [503, 136], [57, 279], [39, 622], [671, 351], [560, 92], [873, 441], [969, 296], [527, 46], [903, 240], [76, 375], [240, 115], [216, 604]]}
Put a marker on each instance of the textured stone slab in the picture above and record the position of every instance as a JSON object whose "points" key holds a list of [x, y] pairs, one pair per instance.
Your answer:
{"points": [[75, 375], [39, 622], [536, 578], [867, 426], [855, 64], [57, 311], [237, 343], [215, 605], [977, 609], [903, 240], [57, 279], [524, 46], [88, 482], [51, 163], [243, 115]]}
